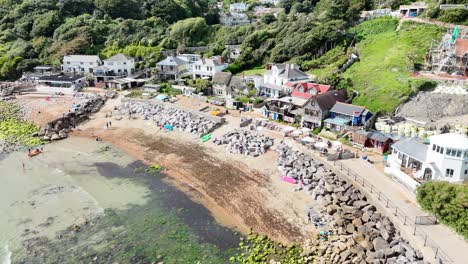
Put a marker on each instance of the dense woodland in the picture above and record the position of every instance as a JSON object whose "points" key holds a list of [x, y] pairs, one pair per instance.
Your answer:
{"points": [[319, 35], [43, 31]]}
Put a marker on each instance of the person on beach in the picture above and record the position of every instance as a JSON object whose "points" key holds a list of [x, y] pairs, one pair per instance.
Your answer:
{"points": [[23, 165], [110, 123], [309, 220]]}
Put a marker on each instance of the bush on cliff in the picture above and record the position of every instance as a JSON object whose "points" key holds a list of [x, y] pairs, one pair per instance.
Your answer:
{"points": [[449, 202]]}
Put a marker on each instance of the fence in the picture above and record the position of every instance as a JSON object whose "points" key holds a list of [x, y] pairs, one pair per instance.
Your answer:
{"points": [[440, 255]]}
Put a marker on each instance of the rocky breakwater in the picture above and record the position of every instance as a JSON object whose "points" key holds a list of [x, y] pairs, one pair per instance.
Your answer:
{"points": [[7, 90], [355, 231], [163, 115], [85, 104], [245, 143]]}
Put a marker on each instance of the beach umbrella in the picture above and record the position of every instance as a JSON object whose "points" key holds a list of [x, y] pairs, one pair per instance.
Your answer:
{"points": [[288, 129], [307, 139], [296, 133]]}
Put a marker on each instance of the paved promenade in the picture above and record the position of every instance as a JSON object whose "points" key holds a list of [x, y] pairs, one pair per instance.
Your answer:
{"points": [[438, 243], [454, 249]]}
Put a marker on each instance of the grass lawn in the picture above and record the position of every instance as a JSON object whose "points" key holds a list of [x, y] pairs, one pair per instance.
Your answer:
{"points": [[260, 70], [387, 59]]}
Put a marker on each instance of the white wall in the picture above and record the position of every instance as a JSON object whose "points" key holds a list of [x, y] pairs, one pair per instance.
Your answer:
{"points": [[119, 67], [444, 162]]}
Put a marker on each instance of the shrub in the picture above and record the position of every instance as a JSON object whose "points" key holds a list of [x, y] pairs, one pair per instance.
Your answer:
{"points": [[449, 202]]}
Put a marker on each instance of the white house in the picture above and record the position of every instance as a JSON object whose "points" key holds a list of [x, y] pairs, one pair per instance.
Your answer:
{"points": [[238, 7], [271, 2], [117, 66], [206, 68], [444, 157], [233, 19], [280, 79], [80, 64], [191, 59], [67, 84]]}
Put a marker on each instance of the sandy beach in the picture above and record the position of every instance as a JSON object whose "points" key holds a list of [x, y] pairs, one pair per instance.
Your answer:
{"points": [[240, 191]]}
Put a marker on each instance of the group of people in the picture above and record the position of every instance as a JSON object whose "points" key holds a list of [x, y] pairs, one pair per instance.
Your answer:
{"points": [[108, 124]]}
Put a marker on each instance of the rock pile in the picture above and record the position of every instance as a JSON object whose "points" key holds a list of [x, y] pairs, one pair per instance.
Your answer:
{"points": [[360, 233], [60, 127], [245, 143], [164, 115], [7, 90]]}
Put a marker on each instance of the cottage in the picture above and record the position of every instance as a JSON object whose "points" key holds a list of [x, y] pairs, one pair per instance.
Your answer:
{"points": [[233, 19], [234, 51], [117, 66], [413, 10], [226, 85], [171, 68], [343, 115], [280, 79], [442, 157], [238, 7], [371, 139], [206, 68], [67, 84], [318, 107], [279, 109]]}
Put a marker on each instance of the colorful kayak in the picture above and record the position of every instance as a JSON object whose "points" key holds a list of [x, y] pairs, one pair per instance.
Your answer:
{"points": [[206, 137], [289, 179]]}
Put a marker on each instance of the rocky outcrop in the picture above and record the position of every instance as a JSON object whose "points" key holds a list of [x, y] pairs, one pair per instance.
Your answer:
{"points": [[60, 127], [359, 233], [163, 115], [245, 143]]}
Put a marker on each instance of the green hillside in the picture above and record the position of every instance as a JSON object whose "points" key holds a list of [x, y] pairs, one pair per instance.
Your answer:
{"points": [[382, 77]]}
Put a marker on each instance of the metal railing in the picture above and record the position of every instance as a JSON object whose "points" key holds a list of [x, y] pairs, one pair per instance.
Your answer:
{"points": [[440, 255]]}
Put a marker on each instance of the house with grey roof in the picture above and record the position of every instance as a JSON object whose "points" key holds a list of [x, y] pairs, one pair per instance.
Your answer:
{"points": [[80, 64], [318, 107], [343, 115], [280, 79], [371, 139], [226, 85], [171, 68], [441, 157]]}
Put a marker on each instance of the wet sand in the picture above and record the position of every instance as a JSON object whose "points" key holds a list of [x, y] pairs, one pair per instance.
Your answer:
{"points": [[75, 184], [240, 191]]}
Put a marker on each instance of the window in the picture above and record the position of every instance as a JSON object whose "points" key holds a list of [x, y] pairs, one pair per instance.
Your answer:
{"points": [[437, 149], [466, 172], [81, 63], [441, 150], [466, 154], [433, 147], [449, 173], [448, 152], [459, 153]]}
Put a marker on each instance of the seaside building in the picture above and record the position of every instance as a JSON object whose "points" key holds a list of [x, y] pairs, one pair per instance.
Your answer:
{"points": [[318, 107], [343, 116], [80, 64], [117, 66], [442, 157], [238, 7], [280, 79], [207, 68], [171, 68], [67, 84]]}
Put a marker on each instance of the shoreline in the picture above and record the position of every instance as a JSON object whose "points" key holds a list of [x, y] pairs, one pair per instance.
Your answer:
{"points": [[241, 192]]}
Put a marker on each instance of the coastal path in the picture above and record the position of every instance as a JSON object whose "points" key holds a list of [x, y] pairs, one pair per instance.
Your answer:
{"points": [[438, 243]]}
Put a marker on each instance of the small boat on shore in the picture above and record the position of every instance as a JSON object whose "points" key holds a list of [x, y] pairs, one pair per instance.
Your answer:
{"points": [[34, 153]]}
